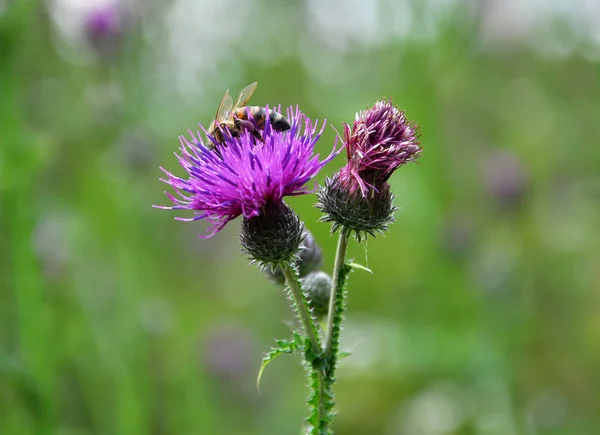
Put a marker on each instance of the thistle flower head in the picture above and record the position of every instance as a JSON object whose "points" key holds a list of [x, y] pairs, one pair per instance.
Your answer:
{"points": [[380, 141], [244, 176], [358, 198], [273, 236]]}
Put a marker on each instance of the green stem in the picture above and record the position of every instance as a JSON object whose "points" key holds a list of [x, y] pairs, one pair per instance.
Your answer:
{"points": [[308, 323], [310, 328], [324, 417], [336, 288]]}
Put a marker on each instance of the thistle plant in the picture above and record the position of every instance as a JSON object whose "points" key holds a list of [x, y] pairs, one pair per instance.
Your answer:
{"points": [[246, 177]]}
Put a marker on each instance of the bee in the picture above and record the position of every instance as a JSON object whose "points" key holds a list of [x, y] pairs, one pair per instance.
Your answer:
{"points": [[235, 116]]}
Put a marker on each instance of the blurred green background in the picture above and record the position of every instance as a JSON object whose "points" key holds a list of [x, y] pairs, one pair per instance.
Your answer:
{"points": [[482, 316]]}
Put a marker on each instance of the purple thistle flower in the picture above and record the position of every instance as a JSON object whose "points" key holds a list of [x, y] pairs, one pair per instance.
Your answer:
{"points": [[242, 176], [380, 141], [358, 198]]}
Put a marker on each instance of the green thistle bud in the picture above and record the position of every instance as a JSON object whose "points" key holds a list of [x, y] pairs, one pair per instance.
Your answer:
{"points": [[347, 208], [273, 236], [317, 286]]}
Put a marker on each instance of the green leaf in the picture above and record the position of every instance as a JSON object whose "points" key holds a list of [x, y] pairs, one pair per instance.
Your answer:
{"points": [[283, 347], [360, 267], [344, 354], [299, 341]]}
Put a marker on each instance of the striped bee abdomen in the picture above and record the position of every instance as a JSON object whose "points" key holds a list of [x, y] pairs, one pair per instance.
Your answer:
{"points": [[278, 121]]}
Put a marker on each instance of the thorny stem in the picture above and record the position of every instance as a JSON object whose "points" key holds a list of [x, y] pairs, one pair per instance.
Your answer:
{"points": [[293, 282], [306, 319], [340, 258], [323, 428]]}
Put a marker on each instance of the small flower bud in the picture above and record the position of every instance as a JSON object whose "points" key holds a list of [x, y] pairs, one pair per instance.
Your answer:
{"points": [[309, 259], [273, 236], [365, 215], [317, 286]]}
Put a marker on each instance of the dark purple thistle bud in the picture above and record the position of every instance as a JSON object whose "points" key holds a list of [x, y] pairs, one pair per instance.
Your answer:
{"points": [[380, 141], [250, 179], [358, 197], [317, 286], [308, 259]]}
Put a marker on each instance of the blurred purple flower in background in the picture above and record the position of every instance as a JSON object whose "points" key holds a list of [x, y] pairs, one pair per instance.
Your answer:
{"points": [[96, 25], [229, 352], [504, 177], [103, 21], [457, 233], [136, 148], [243, 177], [104, 26], [52, 242]]}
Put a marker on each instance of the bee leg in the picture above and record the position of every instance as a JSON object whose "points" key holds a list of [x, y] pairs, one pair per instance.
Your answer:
{"points": [[245, 124], [249, 126]]}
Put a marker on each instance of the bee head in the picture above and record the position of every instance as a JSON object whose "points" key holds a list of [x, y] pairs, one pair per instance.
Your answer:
{"points": [[215, 130]]}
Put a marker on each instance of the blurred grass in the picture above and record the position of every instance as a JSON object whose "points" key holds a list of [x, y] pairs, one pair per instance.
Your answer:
{"points": [[481, 317]]}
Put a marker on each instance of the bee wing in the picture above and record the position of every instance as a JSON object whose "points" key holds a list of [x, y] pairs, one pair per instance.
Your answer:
{"points": [[225, 107], [245, 95]]}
